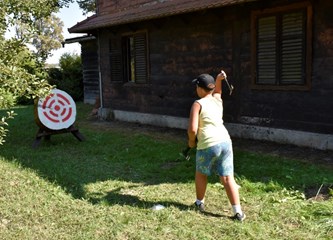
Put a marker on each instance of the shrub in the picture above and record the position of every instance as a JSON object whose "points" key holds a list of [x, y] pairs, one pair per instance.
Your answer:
{"points": [[69, 77]]}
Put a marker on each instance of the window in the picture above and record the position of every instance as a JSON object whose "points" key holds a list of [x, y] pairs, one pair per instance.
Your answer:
{"points": [[281, 40], [129, 58], [129, 55]]}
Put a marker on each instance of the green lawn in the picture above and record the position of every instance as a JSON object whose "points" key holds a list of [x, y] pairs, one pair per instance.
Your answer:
{"points": [[105, 187]]}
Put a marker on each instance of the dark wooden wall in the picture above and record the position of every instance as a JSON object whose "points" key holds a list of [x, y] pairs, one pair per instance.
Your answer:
{"points": [[184, 46], [299, 110]]}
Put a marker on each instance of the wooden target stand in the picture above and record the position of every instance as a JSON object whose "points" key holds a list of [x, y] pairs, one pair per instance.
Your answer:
{"points": [[47, 133], [55, 115]]}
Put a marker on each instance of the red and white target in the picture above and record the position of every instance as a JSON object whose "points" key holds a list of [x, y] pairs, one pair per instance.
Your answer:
{"points": [[57, 111]]}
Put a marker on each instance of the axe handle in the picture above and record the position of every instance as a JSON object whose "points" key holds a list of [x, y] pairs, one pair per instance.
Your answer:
{"points": [[229, 86], [186, 150]]}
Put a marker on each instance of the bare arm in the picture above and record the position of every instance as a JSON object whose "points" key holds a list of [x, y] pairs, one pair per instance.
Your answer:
{"points": [[193, 124], [218, 84]]}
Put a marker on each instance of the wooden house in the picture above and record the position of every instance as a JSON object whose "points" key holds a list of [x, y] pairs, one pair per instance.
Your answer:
{"points": [[278, 55]]}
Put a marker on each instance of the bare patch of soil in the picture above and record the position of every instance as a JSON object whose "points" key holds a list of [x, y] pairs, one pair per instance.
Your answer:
{"points": [[315, 156], [311, 155], [323, 193]]}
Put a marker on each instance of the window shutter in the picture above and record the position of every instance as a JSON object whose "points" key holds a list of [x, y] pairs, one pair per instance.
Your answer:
{"points": [[266, 50], [140, 43], [115, 61], [282, 47], [292, 48]]}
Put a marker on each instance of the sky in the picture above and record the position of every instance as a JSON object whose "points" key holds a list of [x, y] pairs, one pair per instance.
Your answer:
{"points": [[70, 16]]}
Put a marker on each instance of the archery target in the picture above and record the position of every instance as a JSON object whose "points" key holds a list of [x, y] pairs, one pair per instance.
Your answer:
{"points": [[57, 111]]}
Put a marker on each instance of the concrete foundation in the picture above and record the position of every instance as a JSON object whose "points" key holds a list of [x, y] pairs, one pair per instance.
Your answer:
{"points": [[298, 138]]}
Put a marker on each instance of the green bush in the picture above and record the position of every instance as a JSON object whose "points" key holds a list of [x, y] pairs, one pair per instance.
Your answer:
{"points": [[69, 77], [55, 76], [7, 99]]}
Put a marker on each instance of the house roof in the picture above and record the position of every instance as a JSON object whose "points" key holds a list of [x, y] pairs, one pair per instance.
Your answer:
{"points": [[149, 11], [78, 39]]}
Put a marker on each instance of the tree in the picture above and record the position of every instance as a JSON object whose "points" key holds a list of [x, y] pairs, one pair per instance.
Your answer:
{"points": [[48, 37], [87, 5], [20, 73], [17, 78]]}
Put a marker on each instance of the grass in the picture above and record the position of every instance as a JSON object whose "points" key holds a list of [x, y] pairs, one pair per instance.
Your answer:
{"points": [[105, 186]]}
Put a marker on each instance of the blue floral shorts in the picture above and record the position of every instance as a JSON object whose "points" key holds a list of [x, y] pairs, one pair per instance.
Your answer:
{"points": [[217, 159]]}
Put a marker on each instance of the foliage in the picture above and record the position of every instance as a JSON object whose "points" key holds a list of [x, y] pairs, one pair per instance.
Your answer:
{"points": [[54, 76], [87, 5], [20, 72], [16, 77], [3, 124], [69, 77], [47, 35], [72, 81], [105, 187], [28, 11]]}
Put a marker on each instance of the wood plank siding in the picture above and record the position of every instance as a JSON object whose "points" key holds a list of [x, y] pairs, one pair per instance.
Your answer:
{"points": [[89, 58], [183, 42]]}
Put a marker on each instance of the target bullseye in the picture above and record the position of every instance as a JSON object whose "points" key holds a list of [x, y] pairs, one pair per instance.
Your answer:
{"points": [[57, 111]]}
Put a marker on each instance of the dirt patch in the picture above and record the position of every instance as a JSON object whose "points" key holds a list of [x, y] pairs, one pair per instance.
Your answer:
{"points": [[315, 156], [320, 157], [321, 193]]}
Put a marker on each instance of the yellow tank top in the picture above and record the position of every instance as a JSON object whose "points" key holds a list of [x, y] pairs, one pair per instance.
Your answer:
{"points": [[211, 129]]}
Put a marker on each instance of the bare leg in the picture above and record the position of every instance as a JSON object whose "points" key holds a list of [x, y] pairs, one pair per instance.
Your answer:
{"points": [[231, 189], [200, 185]]}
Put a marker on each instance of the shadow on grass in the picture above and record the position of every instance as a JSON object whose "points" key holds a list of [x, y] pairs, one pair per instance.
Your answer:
{"points": [[116, 197], [104, 156]]}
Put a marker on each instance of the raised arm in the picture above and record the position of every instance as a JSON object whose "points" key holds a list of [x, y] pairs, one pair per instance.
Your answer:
{"points": [[218, 83]]}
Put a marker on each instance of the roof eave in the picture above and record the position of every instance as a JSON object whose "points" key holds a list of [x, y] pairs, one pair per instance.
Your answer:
{"points": [[83, 27]]}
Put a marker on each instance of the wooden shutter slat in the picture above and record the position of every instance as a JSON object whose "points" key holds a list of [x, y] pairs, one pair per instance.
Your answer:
{"points": [[292, 45], [115, 61], [266, 51]]}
